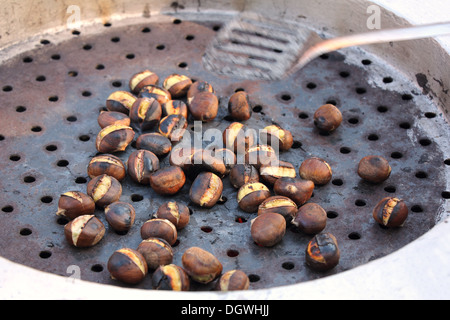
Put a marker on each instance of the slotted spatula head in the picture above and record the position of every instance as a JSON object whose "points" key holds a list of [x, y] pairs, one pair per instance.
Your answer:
{"points": [[256, 47]]}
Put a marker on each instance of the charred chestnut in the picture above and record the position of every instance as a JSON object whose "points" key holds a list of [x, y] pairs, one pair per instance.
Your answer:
{"points": [[239, 106], [178, 85], [206, 160], [128, 266], [120, 101], [310, 218], [298, 190], [260, 155], [201, 265], [104, 190], [242, 174], [141, 165], [317, 170], [327, 118], [142, 79], [155, 92], [168, 180], [322, 252], [251, 195], [174, 107], [270, 173], [120, 216], [173, 127], [84, 231], [175, 212], [390, 212], [170, 277], [145, 113], [197, 87], [268, 229], [279, 204], [107, 118], [375, 169], [107, 164], [233, 280], [181, 156], [73, 204], [277, 137], [238, 138], [206, 190], [204, 106], [154, 142], [114, 138], [159, 228], [156, 252]]}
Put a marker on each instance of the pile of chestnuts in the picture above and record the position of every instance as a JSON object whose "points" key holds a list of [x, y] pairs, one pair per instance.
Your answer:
{"points": [[156, 117]]}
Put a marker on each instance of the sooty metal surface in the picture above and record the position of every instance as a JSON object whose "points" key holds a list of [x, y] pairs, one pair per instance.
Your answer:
{"points": [[50, 100]]}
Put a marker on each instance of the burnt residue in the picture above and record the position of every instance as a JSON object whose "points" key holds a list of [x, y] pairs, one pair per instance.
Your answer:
{"points": [[422, 81]]}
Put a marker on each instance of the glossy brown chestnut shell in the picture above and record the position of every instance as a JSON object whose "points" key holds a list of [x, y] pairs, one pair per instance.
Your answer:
{"points": [[104, 190], [145, 113], [201, 265], [259, 155], [204, 106], [159, 228], [322, 252], [156, 252], [277, 137], [233, 280], [310, 218], [279, 204], [73, 204], [268, 229], [168, 180], [197, 87], [317, 170], [154, 142], [242, 174], [156, 92], [170, 277], [120, 216], [128, 266], [178, 85], [375, 169], [297, 189], [239, 106], [141, 165], [84, 231], [114, 138], [142, 79], [120, 101], [390, 212], [327, 118], [238, 138], [206, 190], [251, 195], [107, 164], [107, 118], [270, 173], [176, 212]]}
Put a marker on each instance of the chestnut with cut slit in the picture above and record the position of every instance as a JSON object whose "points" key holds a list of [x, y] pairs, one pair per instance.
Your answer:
{"points": [[73, 204], [104, 190], [322, 252], [251, 195], [177, 84], [107, 164], [84, 231], [154, 142], [141, 165], [128, 266], [145, 113], [390, 212], [176, 212], [159, 228], [206, 190], [242, 174], [170, 277], [107, 118], [168, 180], [114, 138], [120, 101], [156, 252], [142, 79]]}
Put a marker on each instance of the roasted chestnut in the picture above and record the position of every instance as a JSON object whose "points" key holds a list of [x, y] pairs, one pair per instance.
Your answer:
{"points": [[159, 228], [390, 212], [242, 174], [173, 127], [145, 113], [277, 137], [205, 160], [260, 155], [251, 195], [279, 204], [238, 138], [204, 106], [270, 173], [142, 79], [120, 216], [156, 252], [174, 107], [104, 190], [84, 231], [178, 85], [156, 92], [268, 229], [310, 218], [170, 277], [128, 266], [322, 252], [141, 165], [206, 190], [201, 265], [375, 169], [107, 118], [114, 138], [154, 142], [327, 118], [168, 181], [317, 170], [227, 157], [120, 101], [175, 212], [233, 280], [107, 164], [73, 204], [297, 189], [197, 87], [239, 106], [181, 156]]}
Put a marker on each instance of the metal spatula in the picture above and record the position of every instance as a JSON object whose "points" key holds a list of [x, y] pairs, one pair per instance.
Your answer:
{"points": [[256, 47]]}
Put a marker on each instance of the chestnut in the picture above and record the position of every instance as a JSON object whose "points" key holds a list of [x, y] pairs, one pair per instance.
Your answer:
{"points": [[201, 265], [242, 174], [154, 142], [141, 164], [145, 113], [327, 118], [238, 138], [156, 92], [197, 87], [107, 164], [107, 118], [168, 181], [390, 212], [277, 137], [270, 173], [206, 190], [268, 229], [104, 190], [177, 84], [120, 216], [322, 252], [73, 204], [375, 169], [142, 79], [156, 252], [279, 204], [173, 127], [114, 138], [251, 195], [299, 190], [205, 160], [84, 231], [120, 101], [310, 218], [317, 170], [128, 266], [174, 107], [170, 277], [239, 106], [181, 156], [204, 106], [260, 154], [159, 228], [233, 280], [227, 157], [175, 212]]}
